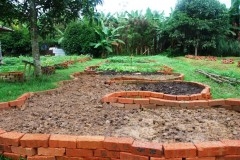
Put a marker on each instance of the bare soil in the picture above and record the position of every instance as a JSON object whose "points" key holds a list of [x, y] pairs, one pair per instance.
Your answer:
{"points": [[76, 109]]}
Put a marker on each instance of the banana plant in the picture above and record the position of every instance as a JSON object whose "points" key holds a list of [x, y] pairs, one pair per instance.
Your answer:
{"points": [[108, 37]]}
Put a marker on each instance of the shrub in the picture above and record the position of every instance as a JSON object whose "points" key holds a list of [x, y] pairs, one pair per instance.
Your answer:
{"points": [[16, 43], [77, 38]]}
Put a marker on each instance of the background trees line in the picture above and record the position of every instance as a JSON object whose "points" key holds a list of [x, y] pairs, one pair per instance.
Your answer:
{"points": [[202, 27]]}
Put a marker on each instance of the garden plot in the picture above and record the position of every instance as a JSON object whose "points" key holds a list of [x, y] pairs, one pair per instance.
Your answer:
{"points": [[75, 109]]}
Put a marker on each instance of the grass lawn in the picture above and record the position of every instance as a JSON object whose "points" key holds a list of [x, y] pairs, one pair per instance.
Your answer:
{"points": [[185, 66], [10, 90]]}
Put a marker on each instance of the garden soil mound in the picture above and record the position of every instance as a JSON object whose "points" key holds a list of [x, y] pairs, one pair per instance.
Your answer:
{"points": [[76, 109]]}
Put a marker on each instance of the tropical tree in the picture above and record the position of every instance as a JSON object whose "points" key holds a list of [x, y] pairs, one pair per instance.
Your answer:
{"points": [[197, 24], [45, 13], [235, 16], [108, 36]]}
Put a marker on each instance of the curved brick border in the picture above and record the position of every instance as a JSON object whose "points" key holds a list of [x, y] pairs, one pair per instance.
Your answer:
{"points": [[20, 101], [128, 79], [68, 147]]}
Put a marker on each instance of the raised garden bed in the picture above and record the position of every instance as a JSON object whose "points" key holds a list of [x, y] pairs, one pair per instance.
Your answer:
{"points": [[12, 76], [164, 133]]}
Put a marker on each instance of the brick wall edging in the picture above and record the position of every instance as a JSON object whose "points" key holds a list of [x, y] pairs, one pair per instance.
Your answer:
{"points": [[64, 147], [20, 101]]}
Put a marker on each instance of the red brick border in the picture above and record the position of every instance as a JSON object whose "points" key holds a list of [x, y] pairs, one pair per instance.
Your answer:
{"points": [[63, 147], [68, 147]]}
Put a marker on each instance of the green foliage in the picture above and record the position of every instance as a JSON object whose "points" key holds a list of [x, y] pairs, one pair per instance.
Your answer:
{"points": [[108, 36], [10, 91], [227, 47], [197, 24], [17, 42], [77, 38]]}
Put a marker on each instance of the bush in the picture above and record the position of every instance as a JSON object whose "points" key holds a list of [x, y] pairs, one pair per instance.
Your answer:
{"points": [[227, 47], [77, 39], [16, 43]]}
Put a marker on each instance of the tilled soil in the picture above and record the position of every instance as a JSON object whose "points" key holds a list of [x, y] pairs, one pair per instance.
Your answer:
{"points": [[76, 109]]}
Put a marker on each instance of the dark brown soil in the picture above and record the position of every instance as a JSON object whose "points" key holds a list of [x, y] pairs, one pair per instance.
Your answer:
{"points": [[75, 109], [174, 88]]}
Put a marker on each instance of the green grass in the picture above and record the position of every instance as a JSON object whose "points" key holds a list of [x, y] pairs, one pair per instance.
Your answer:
{"points": [[185, 66], [12, 90]]}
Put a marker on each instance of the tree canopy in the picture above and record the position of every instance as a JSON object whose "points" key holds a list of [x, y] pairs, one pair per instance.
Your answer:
{"points": [[41, 15], [197, 24]]}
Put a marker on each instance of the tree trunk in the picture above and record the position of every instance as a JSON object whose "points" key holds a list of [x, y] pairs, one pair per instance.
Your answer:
{"points": [[196, 49], [34, 40]]}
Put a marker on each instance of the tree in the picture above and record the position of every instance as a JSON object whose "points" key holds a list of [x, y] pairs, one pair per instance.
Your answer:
{"points": [[108, 36], [197, 24], [235, 16], [45, 13]]}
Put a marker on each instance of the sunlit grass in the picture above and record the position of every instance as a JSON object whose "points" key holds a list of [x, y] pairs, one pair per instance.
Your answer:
{"points": [[12, 90], [188, 68]]}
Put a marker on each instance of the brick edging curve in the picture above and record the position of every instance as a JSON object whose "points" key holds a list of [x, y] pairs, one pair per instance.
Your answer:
{"points": [[69, 147]]}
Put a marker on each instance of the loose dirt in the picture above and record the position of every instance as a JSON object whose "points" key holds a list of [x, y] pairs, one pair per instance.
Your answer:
{"points": [[76, 109]]}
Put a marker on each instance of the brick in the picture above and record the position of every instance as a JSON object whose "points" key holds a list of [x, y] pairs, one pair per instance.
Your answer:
{"points": [[156, 101], [179, 150], [233, 102], [132, 93], [167, 103], [156, 95], [169, 97], [145, 94], [129, 156], [201, 103], [112, 99], [125, 100], [174, 103], [147, 149], [236, 108], [35, 140], [202, 158], [69, 158], [4, 148], [186, 104], [4, 105], [106, 153], [16, 103], [79, 152], [12, 156], [154, 158], [62, 141], [210, 149], [2, 131], [51, 151], [41, 158], [141, 101], [90, 142], [24, 151], [232, 157], [98, 158], [132, 106], [183, 98], [216, 102], [118, 144], [193, 97], [11, 138], [232, 147]]}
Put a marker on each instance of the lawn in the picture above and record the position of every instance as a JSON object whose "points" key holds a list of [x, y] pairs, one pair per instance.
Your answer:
{"points": [[10, 90]]}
